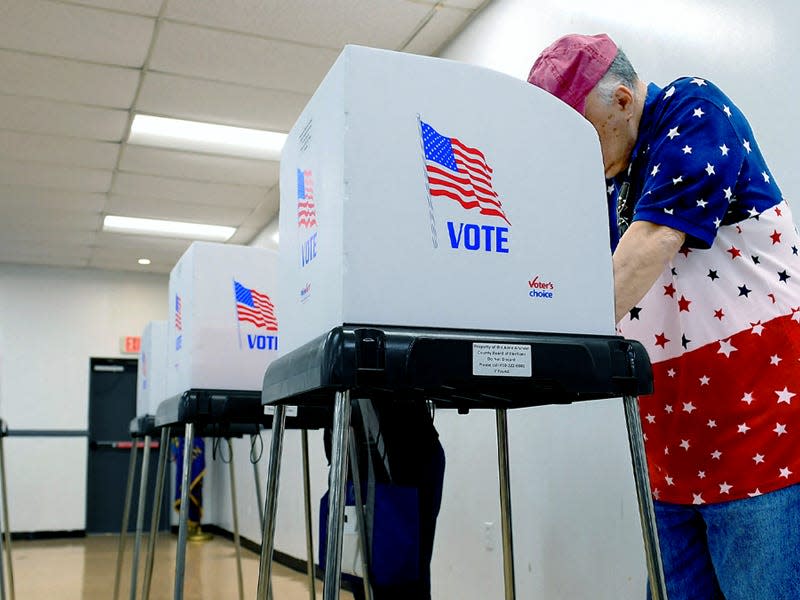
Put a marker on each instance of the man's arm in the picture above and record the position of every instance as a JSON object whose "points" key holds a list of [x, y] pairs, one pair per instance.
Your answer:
{"points": [[639, 259]]}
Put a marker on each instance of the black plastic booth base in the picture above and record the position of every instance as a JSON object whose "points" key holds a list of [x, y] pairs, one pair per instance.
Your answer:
{"points": [[451, 368]]}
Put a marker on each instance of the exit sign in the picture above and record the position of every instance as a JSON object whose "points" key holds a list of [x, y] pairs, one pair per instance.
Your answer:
{"points": [[130, 344]]}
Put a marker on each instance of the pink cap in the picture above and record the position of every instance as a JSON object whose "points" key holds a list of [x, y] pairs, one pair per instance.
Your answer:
{"points": [[572, 65]]}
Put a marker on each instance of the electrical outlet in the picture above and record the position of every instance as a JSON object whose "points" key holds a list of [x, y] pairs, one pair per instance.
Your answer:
{"points": [[489, 535]]}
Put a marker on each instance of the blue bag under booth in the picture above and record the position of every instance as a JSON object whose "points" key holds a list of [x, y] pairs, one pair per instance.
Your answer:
{"points": [[395, 534]]}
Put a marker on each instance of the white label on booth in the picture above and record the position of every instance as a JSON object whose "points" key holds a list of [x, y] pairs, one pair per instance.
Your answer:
{"points": [[501, 360], [269, 409]]}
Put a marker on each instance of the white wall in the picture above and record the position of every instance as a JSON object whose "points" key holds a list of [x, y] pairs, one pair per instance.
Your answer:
{"points": [[52, 320]]}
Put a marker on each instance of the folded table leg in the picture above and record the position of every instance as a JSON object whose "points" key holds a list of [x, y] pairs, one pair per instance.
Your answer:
{"points": [[271, 503], [6, 526], [312, 589], [336, 496], [126, 513], [155, 512], [137, 543], [505, 503], [183, 515], [235, 514]]}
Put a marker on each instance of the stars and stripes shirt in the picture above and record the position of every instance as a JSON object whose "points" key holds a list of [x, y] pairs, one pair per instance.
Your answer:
{"points": [[722, 322]]}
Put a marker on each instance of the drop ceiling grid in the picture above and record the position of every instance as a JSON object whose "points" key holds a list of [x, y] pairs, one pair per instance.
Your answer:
{"points": [[73, 72]]}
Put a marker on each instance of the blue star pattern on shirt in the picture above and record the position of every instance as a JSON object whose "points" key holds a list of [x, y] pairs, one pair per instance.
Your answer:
{"points": [[702, 168]]}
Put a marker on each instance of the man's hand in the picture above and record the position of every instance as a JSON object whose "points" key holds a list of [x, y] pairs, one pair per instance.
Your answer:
{"points": [[639, 259]]}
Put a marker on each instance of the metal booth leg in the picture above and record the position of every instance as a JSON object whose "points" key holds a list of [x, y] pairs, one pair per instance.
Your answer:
{"points": [[271, 503], [137, 544], [505, 504], [126, 513], [156, 511], [180, 558], [363, 536], [655, 570], [254, 462], [2, 577], [336, 497], [6, 525], [234, 509], [312, 588]]}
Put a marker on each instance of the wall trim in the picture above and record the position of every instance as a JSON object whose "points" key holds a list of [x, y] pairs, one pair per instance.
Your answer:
{"points": [[48, 433]]}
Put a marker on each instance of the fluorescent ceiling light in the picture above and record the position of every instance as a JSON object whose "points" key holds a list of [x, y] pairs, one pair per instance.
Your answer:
{"points": [[194, 136], [194, 231], [144, 261]]}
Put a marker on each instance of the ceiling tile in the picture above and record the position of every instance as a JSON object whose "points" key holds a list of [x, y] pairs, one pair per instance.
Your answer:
{"points": [[215, 102], [444, 25], [43, 199], [38, 251], [473, 5], [58, 150], [24, 74], [54, 259], [54, 118], [144, 249], [69, 72], [53, 220], [333, 23], [201, 167], [223, 56], [13, 236], [128, 263], [122, 241], [147, 8], [118, 250], [155, 208], [75, 32], [187, 191], [54, 176]]}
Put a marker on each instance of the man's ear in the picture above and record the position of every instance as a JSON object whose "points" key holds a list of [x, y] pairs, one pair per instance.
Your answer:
{"points": [[623, 98]]}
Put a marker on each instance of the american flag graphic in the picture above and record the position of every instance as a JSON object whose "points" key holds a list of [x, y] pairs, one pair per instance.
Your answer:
{"points": [[306, 211], [255, 307], [178, 321], [459, 172]]}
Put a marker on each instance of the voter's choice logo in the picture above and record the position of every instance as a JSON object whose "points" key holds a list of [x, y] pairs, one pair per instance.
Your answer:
{"points": [[305, 293], [306, 216], [178, 307], [462, 174], [540, 289], [257, 312]]}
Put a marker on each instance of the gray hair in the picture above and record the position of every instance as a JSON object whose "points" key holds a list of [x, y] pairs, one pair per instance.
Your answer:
{"points": [[620, 72]]}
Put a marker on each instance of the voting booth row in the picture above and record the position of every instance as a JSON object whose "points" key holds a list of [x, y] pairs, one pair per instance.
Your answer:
{"points": [[441, 242]]}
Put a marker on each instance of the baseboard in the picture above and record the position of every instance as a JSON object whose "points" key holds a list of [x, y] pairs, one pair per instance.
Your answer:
{"points": [[47, 535]]}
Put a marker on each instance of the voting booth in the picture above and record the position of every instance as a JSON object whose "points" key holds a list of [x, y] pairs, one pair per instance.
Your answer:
{"points": [[442, 237], [421, 192], [151, 388], [222, 332], [223, 326], [151, 376]]}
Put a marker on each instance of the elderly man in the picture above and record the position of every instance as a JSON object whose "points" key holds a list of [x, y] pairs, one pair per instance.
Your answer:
{"points": [[706, 276]]}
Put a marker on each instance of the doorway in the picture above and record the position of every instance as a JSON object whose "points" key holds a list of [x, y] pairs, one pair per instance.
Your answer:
{"points": [[112, 405]]}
